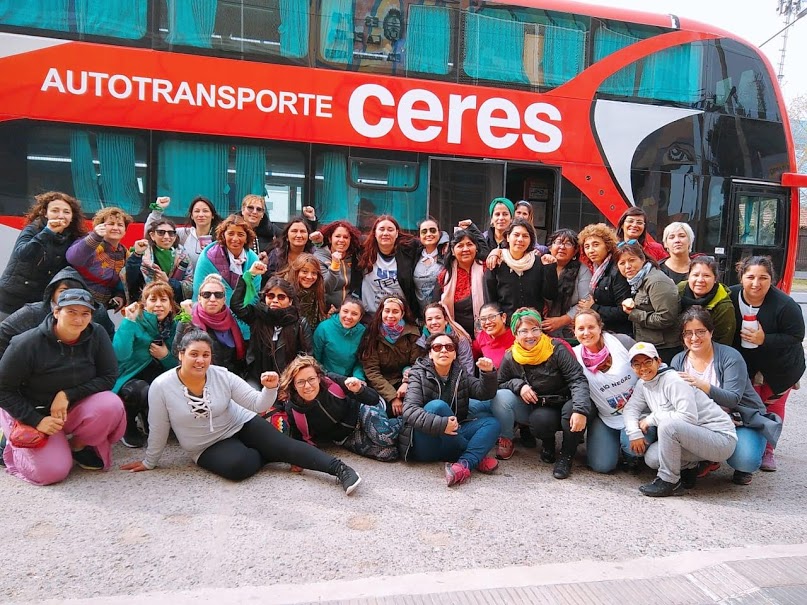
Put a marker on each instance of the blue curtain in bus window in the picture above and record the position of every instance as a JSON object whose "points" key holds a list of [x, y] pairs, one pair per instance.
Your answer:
{"points": [[428, 39], [673, 75], [191, 22], [250, 171], [293, 28], [403, 176], [117, 18], [187, 169], [335, 201], [85, 178], [116, 154], [494, 47], [564, 54], [606, 42], [41, 14], [336, 31]]}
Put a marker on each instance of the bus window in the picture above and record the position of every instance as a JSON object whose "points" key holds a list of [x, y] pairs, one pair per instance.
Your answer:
{"points": [[729, 141], [225, 172], [238, 26], [126, 20], [608, 38], [756, 220]]}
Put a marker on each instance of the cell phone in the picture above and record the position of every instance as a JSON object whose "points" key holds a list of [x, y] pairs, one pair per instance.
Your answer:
{"points": [[158, 341]]}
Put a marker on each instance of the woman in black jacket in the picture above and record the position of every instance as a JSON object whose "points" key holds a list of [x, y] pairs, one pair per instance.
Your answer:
{"points": [[334, 409], [551, 385], [438, 423], [276, 307], [53, 223]]}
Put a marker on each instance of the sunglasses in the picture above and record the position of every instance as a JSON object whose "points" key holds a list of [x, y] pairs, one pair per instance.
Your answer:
{"points": [[164, 232], [449, 346], [279, 297], [427, 230], [628, 242], [217, 295], [256, 209]]}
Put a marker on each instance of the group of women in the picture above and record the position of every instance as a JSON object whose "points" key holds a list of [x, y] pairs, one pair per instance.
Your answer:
{"points": [[424, 347]]}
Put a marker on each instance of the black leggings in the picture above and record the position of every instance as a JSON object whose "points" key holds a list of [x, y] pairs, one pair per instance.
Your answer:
{"points": [[259, 443]]}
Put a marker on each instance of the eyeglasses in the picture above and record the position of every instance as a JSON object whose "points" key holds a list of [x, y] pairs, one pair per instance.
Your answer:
{"points": [[633, 221], [254, 209], [489, 318], [700, 333], [164, 232], [628, 242], [303, 382], [280, 297], [427, 230], [439, 346], [532, 332], [563, 243], [642, 365], [217, 295]]}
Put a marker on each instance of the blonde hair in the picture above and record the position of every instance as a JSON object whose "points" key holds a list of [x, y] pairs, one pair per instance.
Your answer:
{"points": [[213, 278], [674, 227], [601, 230]]}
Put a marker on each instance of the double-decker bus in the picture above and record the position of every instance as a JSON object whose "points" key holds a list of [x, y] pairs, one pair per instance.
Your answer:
{"points": [[405, 107]]}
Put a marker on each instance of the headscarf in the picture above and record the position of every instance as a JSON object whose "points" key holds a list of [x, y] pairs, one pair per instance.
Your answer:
{"points": [[540, 352], [505, 202]]}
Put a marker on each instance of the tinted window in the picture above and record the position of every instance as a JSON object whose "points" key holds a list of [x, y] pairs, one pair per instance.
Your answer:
{"points": [[127, 20], [743, 147]]}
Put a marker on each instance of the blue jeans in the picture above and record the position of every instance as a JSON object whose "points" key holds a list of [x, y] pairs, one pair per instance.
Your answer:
{"points": [[507, 408], [747, 456], [604, 443], [473, 441]]}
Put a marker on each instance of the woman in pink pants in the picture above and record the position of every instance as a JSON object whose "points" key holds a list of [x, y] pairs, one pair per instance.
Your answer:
{"points": [[57, 378]]}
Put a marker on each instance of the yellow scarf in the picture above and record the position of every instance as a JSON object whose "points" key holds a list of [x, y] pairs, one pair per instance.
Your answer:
{"points": [[536, 355]]}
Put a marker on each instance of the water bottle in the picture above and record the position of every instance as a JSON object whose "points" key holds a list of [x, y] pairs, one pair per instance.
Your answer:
{"points": [[749, 322]]}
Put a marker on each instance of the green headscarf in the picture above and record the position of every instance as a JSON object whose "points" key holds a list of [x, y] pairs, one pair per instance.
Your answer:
{"points": [[523, 313], [505, 202]]}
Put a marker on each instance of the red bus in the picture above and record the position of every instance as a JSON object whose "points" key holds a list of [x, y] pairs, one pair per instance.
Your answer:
{"points": [[407, 107]]}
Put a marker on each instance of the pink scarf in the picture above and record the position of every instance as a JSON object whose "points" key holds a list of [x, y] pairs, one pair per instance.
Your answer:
{"points": [[223, 321], [598, 273], [477, 288], [592, 360]]}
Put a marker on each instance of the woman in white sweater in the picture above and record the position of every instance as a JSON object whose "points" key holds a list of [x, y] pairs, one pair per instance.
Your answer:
{"points": [[214, 415], [691, 426]]}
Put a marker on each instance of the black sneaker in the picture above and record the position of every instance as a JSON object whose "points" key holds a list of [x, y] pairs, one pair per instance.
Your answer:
{"points": [[2, 447], [133, 437], [660, 488], [689, 476], [527, 440], [563, 467], [347, 477], [88, 459], [548, 453], [742, 478]]}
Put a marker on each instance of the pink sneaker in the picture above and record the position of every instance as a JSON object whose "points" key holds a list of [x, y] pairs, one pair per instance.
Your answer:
{"points": [[488, 465], [504, 448], [457, 473], [768, 462]]}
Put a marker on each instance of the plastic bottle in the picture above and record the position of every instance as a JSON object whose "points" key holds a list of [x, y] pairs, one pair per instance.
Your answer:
{"points": [[749, 323]]}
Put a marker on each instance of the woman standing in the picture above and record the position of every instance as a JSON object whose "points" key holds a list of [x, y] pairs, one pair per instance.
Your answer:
{"points": [[771, 331], [574, 281], [163, 259], [632, 225], [213, 413], [437, 414], [57, 379], [720, 372], [653, 310], [678, 241], [462, 280], [690, 426], [292, 242], [333, 409], [202, 220], [429, 263], [303, 273], [702, 288], [388, 350], [52, 224], [437, 321], [501, 212], [608, 288], [551, 392], [341, 243], [337, 340], [519, 280]]}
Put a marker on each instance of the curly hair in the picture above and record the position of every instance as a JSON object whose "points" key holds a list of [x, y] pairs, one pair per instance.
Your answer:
{"points": [[39, 210], [355, 235], [299, 363], [104, 214], [600, 230], [235, 220]]}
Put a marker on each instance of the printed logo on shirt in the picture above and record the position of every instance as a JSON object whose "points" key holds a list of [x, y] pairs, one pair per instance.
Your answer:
{"points": [[386, 278], [618, 402]]}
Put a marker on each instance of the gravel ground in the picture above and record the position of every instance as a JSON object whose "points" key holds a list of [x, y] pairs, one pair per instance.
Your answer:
{"points": [[178, 527]]}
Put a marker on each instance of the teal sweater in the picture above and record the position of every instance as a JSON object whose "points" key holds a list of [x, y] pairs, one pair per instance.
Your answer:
{"points": [[337, 349], [131, 344]]}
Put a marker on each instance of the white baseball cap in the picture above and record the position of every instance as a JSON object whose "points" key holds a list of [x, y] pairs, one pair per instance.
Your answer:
{"points": [[642, 348]]}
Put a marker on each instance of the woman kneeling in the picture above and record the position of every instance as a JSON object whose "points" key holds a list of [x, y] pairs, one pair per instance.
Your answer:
{"points": [[437, 422], [213, 414]]}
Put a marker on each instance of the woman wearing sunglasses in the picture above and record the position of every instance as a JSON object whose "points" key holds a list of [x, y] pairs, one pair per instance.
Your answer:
{"points": [[211, 315], [438, 423], [162, 258], [429, 263], [278, 331]]}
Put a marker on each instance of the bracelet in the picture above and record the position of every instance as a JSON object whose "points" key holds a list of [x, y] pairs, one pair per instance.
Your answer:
{"points": [[155, 206]]}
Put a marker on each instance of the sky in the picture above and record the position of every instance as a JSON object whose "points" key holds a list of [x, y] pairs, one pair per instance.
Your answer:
{"points": [[753, 20]]}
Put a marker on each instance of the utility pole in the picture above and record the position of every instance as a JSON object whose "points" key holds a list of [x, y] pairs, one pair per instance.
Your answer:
{"points": [[790, 10]]}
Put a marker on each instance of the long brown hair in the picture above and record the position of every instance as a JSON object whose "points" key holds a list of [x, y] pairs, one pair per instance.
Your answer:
{"points": [[369, 343], [369, 250], [292, 275], [39, 210]]}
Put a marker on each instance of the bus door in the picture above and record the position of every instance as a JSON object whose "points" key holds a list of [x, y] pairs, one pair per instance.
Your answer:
{"points": [[462, 189], [758, 220]]}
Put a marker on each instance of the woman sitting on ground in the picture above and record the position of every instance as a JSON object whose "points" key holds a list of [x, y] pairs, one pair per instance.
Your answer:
{"points": [[494, 337], [338, 338], [703, 288], [437, 321], [547, 390], [57, 379], [720, 372], [690, 426], [330, 408], [388, 350], [438, 424], [213, 413]]}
